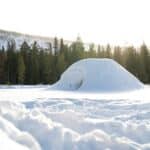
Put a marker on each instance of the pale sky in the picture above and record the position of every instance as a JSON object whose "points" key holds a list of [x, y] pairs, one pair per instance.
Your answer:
{"points": [[100, 21]]}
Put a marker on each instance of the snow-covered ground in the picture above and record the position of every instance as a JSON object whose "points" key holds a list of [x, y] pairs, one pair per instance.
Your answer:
{"points": [[96, 105], [35, 118]]}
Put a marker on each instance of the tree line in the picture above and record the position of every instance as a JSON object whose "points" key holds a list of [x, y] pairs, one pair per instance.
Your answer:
{"points": [[31, 64]]}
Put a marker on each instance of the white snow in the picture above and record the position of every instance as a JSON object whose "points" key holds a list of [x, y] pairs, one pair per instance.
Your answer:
{"points": [[114, 116], [19, 38], [20, 137], [7, 144], [97, 75], [32, 117]]}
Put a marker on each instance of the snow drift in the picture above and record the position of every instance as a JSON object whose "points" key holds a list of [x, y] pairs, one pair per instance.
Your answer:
{"points": [[96, 75], [58, 124], [34, 120]]}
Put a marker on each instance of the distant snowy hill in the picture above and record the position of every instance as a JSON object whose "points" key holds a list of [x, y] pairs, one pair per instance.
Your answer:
{"points": [[20, 37]]}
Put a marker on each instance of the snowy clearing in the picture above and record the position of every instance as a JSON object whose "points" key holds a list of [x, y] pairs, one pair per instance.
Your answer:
{"points": [[90, 108], [35, 118]]}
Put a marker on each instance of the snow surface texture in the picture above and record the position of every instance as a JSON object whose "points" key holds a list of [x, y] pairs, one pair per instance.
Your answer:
{"points": [[97, 75], [35, 118]]}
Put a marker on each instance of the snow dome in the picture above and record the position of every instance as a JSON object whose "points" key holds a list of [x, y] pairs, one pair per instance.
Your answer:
{"points": [[97, 75]]}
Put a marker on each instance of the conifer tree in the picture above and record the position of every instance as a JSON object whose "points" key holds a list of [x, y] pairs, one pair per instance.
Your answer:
{"points": [[11, 62], [117, 55], [131, 56], [61, 65], [92, 51], [62, 46], [99, 52], [56, 47], [108, 53], [144, 64], [25, 51], [2, 65], [35, 63], [21, 69], [77, 50]]}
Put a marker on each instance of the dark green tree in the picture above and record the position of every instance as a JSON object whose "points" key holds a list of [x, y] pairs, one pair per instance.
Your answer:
{"points": [[25, 51], [99, 52], [144, 58], [108, 53], [117, 55], [76, 50], [11, 62], [62, 46], [21, 69], [60, 65], [92, 51], [131, 59], [35, 63], [2, 65], [56, 46]]}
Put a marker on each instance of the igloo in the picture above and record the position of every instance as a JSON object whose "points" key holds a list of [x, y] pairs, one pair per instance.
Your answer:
{"points": [[97, 75]]}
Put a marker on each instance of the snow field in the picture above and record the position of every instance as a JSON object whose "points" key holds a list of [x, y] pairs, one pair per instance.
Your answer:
{"points": [[96, 105], [77, 124]]}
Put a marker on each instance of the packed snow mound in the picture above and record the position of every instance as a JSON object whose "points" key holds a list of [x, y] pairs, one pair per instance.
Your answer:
{"points": [[97, 75]]}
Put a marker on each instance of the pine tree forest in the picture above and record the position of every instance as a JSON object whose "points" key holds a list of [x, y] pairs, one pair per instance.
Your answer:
{"points": [[34, 65]]}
